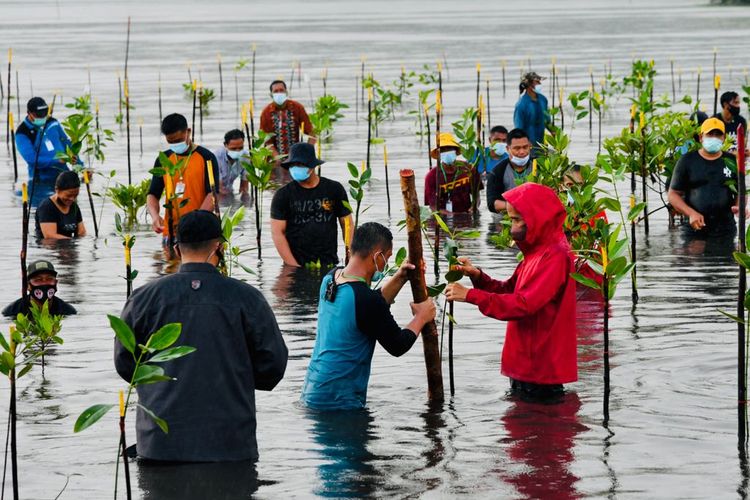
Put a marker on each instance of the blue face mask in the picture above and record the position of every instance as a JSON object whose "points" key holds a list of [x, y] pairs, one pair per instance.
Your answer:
{"points": [[235, 155], [279, 98], [179, 147], [448, 157], [521, 162], [299, 174], [712, 144], [499, 148], [378, 274], [39, 122], [571, 201]]}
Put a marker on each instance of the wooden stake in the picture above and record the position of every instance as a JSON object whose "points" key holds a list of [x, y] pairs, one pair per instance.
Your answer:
{"points": [[742, 202], [698, 88], [127, 127], [159, 90], [13, 146], [387, 186], [87, 181], [717, 86], [419, 288], [24, 237], [7, 112], [503, 65], [195, 97], [479, 75], [253, 77], [671, 72], [221, 77], [644, 174], [369, 124], [212, 184], [489, 113]]}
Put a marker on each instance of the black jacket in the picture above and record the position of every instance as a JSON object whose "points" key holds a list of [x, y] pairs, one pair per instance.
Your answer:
{"points": [[210, 408], [58, 307]]}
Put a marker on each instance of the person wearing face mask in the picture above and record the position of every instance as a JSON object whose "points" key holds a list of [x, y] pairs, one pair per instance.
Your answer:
{"points": [[284, 118], [453, 181], [511, 172], [531, 113], [210, 406], [538, 301], [59, 217], [730, 115], [305, 213], [191, 184], [39, 138], [229, 157], [495, 153], [700, 187], [42, 287], [352, 317]]}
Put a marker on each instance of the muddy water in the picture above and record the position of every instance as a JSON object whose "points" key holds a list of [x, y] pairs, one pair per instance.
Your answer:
{"points": [[672, 427]]}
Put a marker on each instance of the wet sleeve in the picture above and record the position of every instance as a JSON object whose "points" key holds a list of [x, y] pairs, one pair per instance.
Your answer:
{"points": [[541, 285], [375, 320], [266, 346], [157, 183], [341, 201], [680, 178], [280, 205]]}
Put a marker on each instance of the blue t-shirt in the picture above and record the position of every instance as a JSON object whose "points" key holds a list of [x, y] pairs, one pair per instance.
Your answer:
{"points": [[348, 328], [486, 163], [531, 116]]}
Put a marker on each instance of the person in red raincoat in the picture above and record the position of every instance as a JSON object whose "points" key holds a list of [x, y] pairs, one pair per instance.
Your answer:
{"points": [[539, 299]]}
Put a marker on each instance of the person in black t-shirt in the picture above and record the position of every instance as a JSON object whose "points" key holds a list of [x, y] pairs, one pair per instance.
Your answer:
{"points": [[59, 217], [700, 187], [730, 116], [304, 213], [42, 288]]}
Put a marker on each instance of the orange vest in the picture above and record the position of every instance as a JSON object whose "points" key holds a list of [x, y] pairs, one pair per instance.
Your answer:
{"points": [[194, 178]]}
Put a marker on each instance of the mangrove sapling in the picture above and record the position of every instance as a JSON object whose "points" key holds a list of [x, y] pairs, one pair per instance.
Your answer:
{"points": [[158, 349], [357, 188], [471, 148], [327, 112], [130, 198], [171, 173], [40, 329], [258, 165], [128, 241], [231, 254]]}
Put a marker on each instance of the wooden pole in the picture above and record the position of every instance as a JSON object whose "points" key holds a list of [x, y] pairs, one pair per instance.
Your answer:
{"points": [[503, 65], [86, 181], [7, 112], [554, 81], [605, 291], [159, 91], [212, 184], [369, 124], [489, 113], [24, 237], [644, 173], [195, 96], [13, 147], [439, 167], [452, 383], [127, 127], [429, 135], [123, 450], [741, 354], [128, 267], [200, 107], [221, 77], [479, 75], [253, 77], [633, 234], [430, 341], [13, 418], [387, 186], [671, 71], [698, 88], [717, 85]]}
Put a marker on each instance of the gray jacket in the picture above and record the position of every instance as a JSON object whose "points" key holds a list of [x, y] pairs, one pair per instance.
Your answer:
{"points": [[210, 408]]}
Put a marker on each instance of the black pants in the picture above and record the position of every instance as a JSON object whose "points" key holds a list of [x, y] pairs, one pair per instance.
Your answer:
{"points": [[536, 392]]}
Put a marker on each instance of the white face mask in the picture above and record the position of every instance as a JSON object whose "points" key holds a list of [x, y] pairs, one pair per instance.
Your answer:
{"points": [[235, 155], [520, 161], [538, 88], [279, 98]]}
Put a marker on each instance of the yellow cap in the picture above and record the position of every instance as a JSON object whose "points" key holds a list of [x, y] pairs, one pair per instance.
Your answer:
{"points": [[446, 140], [712, 124]]}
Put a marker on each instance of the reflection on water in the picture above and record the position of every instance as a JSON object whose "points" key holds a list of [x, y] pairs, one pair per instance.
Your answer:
{"points": [[217, 481]]}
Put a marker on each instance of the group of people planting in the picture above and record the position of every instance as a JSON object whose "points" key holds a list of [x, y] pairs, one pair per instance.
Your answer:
{"points": [[210, 406]]}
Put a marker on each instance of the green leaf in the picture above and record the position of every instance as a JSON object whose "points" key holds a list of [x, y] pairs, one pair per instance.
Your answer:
{"points": [[434, 291], [636, 211], [742, 259], [469, 234], [732, 317], [158, 421], [400, 256], [7, 360], [90, 416], [353, 170], [123, 333], [26, 369], [149, 374], [586, 281], [4, 343], [441, 223], [172, 353], [452, 276], [611, 204], [165, 336]]}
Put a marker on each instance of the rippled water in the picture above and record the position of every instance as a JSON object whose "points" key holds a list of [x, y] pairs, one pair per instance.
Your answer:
{"points": [[672, 428]]}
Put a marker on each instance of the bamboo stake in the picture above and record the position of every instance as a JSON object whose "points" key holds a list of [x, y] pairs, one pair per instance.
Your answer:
{"points": [[362, 80], [717, 86], [13, 416], [479, 75], [200, 107], [387, 186], [221, 77], [418, 286], [698, 88], [671, 72], [256, 190], [140, 136], [369, 124], [325, 80], [195, 96], [489, 113], [13, 146], [86, 181], [7, 112], [24, 237], [212, 184], [503, 65], [18, 97], [438, 166], [159, 90], [605, 291], [127, 50], [253, 77], [742, 202], [356, 98], [123, 448], [591, 104], [644, 174], [429, 135], [562, 111], [552, 77], [127, 126], [633, 234], [128, 267]]}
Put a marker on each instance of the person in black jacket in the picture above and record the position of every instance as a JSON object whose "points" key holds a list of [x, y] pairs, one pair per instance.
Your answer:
{"points": [[510, 172], [42, 286], [210, 407]]}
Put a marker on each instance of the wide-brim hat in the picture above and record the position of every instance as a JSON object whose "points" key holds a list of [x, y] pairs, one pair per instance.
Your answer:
{"points": [[446, 140], [532, 76], [303, 153]]}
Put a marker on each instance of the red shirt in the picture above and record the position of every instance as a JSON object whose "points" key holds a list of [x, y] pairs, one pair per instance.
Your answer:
{"points": [[285, 122], [455, 186]]}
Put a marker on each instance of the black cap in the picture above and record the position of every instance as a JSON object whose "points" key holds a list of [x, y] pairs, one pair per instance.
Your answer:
{"points": [[197, 226], [40, 266], [304, 153], [38, 106]]}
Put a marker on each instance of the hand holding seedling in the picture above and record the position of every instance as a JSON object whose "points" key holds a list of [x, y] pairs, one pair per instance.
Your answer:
{"points": [[466, 267], [456, 292]]}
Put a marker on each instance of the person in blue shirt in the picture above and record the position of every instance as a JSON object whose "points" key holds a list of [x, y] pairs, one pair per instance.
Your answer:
{"points": [[495, 153], [352, 317], [39, 138], [531, 114]]}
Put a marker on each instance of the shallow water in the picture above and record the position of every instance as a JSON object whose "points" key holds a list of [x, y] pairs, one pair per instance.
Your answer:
{"points": [[672, 428]]}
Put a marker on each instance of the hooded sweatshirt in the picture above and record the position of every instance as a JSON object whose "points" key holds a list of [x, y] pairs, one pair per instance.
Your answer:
{"points": [[539, 299]]}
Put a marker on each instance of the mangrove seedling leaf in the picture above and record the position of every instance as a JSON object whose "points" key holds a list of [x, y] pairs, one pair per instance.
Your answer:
{"points": [[400, 256], [165, 336], [4, 343], [434, 291], [353, 170], [442, 223], [453, 276], [90, 416], [149, 374], [26, 369], [732, 317], [636, 211], [123, 333], [451, 318], [586, 281], [158, 421], [172, 353], [469, 234], [742, 259]]}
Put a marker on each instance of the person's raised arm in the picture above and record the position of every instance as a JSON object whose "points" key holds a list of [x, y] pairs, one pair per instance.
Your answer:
{"points": [[393, 286]]}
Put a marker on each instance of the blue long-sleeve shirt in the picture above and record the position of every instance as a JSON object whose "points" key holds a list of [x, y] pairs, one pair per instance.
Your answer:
{"points": [[54, 140], [531, 116]]}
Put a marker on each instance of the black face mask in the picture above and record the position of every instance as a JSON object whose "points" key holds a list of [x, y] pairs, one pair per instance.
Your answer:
{"points": [[42, 293], [735, 110]]}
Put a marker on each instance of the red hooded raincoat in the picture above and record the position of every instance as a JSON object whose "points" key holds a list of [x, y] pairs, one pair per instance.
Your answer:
{"points": [[539, 300]]}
